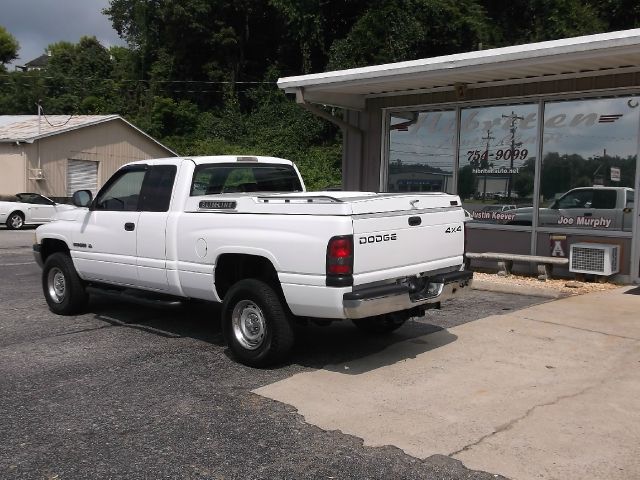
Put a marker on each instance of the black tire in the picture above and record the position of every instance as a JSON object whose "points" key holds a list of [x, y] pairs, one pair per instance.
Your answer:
{"points": [[63, 289], [15, 221], [381, 324], [255, 324]]}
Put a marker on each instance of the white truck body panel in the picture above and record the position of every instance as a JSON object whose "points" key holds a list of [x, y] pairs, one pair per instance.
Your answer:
{"points": [[176, 252]]}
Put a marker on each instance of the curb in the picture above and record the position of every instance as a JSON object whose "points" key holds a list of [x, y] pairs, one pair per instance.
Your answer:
{"points": [[487, 286]]}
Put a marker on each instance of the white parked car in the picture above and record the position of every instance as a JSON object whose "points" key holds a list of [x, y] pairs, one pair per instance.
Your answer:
{"points": [[30, 209]]}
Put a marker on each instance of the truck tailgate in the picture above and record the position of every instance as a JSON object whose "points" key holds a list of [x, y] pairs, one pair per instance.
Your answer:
{"points": [[400, 236]]}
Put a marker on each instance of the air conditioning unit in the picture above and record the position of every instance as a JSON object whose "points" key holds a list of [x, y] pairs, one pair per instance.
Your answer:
{"points": [[594, 258], [36, 174]]}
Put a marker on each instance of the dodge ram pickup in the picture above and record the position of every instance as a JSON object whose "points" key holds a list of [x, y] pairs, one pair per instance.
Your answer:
{"points": [[243, 231]]}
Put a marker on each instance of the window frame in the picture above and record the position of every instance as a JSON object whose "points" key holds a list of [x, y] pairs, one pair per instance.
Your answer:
{"points": [[119, 174], [203, 166]]}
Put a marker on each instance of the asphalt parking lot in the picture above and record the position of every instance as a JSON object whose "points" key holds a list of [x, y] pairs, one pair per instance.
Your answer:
{"points": [[125, 391]]}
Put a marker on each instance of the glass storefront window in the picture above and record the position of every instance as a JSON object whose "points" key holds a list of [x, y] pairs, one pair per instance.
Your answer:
{"points": [[589, 163], [498, 146], [421, 151]]}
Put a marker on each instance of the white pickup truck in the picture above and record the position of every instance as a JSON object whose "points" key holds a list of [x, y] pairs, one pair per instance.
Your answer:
{"points": [[596, 207], [243, 231]]}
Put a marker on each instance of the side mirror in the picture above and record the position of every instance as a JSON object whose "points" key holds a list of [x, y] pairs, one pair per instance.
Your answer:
{"points": [[82, 198]]}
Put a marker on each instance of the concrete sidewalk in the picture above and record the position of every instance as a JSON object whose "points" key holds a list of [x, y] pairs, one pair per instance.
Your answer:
{"points": [[551, 391]]}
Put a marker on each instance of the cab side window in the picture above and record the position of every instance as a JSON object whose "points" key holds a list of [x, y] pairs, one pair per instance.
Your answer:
{"points": [[123, 193], [577, 199], [157, 188]]}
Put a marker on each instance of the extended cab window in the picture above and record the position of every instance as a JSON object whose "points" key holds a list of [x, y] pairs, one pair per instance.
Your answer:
{"points": [[157, 188], [605, 199], [226, 178], [123, 192]]}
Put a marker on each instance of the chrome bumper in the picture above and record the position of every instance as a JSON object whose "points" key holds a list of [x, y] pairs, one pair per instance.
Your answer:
{"points": [[373, 301]]}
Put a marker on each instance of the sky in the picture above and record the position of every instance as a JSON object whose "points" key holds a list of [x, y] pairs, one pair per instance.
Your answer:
{"points": [[38, 23]]}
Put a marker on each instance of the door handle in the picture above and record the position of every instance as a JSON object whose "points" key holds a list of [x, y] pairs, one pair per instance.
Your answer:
{"points": [[129, 226], [588, 214]]}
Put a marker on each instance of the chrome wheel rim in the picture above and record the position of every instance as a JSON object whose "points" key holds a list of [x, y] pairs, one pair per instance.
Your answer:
{"points": [[249, 324], [56, 284], [16, 221]]}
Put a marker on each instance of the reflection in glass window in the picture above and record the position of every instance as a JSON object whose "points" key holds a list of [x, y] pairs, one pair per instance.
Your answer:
{"points": [[589, 163], [421, 151], [498, 146]]}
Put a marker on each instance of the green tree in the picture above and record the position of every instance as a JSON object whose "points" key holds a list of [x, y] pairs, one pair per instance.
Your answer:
{"points": [[208, 39], [8, 47], [466, 182], [79, 78], [523, 184], [524, 21], [400, 30], [618, 14]]}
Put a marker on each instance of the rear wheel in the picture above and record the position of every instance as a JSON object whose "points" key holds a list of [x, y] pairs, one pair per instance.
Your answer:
{"points": [[15, 221], [255, 324], [381, 324], [63, 289]]}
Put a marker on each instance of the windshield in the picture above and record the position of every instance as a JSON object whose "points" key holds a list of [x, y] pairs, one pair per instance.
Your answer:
{"points": [[215, 178], [33, 198]]}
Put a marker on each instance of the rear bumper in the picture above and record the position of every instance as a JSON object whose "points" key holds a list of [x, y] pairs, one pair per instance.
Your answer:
{"points": [[373, 301]]}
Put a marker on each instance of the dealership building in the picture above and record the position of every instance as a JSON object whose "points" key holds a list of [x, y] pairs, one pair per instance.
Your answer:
{"points": [[539, 140]]}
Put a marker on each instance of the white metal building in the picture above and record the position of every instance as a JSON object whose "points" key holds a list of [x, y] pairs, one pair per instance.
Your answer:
{"points": [[57, 154]]}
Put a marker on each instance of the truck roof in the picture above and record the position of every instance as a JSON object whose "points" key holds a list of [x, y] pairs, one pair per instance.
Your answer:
{"points": [[601, 187], [216, 159]]}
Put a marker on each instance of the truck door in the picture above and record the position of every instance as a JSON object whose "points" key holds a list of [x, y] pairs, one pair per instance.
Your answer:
{"points": [[104, 249], [152, 226]]}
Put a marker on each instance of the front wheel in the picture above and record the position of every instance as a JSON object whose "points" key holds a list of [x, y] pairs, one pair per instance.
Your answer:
{"points": [[15, 221], [255, 324], [381, 324], [63, 289]]}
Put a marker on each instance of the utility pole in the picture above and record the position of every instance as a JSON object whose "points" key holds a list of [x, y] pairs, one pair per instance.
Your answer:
{"points": [[39, 131], [484, 163], [514, 118]]}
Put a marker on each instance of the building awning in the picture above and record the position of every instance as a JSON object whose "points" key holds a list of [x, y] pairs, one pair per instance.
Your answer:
{"points": [[590, 55]]}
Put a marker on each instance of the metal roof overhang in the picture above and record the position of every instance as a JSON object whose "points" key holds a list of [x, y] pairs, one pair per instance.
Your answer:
{"points": [[591, 55]]}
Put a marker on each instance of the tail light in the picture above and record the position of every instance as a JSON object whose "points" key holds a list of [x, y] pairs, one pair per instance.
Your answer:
{"points": [[340, 261]]}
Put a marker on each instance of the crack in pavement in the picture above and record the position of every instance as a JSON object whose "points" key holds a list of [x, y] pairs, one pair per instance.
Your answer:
{"points": [[509, 425], [580, 328], [136, 326]]}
